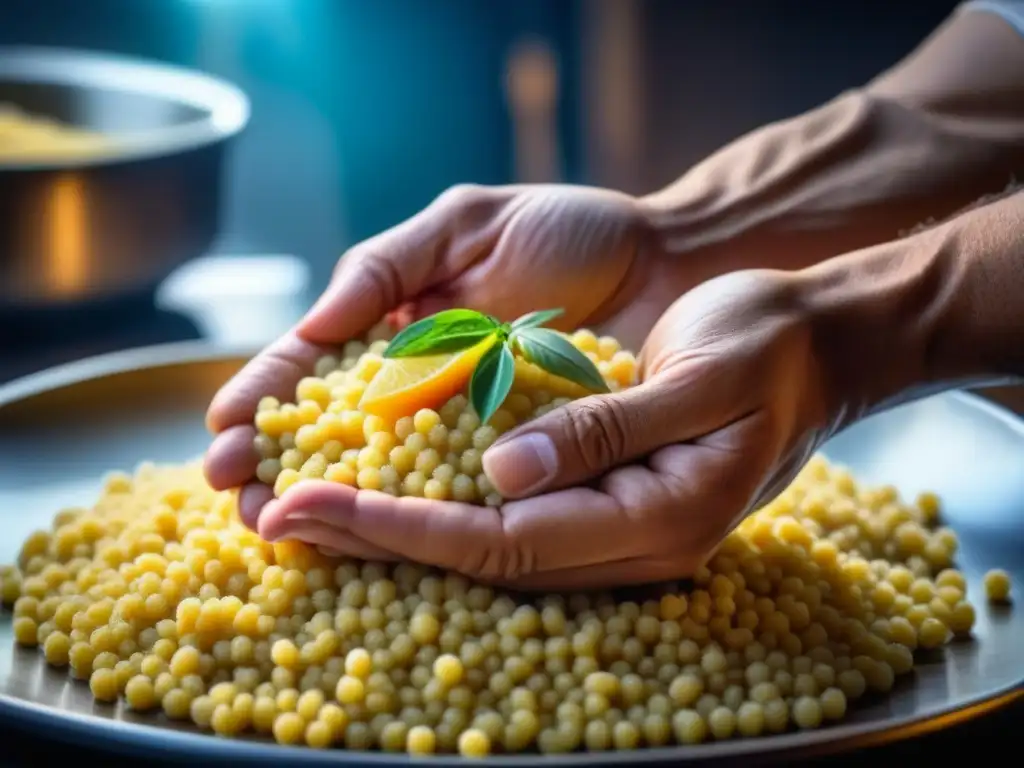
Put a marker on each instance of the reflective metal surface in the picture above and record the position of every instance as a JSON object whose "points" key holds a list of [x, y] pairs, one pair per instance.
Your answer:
{"points": [[91, 229], [59, 431]]}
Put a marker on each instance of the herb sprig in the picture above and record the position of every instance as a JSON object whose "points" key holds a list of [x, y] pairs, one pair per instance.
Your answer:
{"points": [[457, 329]]}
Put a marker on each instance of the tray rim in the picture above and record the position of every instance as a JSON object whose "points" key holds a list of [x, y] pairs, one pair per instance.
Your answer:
{"points": [[86, 730]]}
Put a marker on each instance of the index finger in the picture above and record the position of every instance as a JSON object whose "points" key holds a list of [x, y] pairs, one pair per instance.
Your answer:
{"points": [[372, 279], [400, 264], [273, 372], [231, 459], [567, 529]]}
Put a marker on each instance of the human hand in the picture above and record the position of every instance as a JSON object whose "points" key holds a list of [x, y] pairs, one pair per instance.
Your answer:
{"points": [[631, 487], [504, 250]]}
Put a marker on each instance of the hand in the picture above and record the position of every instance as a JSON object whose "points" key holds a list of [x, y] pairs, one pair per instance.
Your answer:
{"points": [[731, 405], [505, 250]]}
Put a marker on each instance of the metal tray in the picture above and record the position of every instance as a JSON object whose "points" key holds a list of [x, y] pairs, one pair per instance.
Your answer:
{"points": [[62, 429]]}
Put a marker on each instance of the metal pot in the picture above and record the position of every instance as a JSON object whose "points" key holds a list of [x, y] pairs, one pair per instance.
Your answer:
{"points": [[107, 227]]}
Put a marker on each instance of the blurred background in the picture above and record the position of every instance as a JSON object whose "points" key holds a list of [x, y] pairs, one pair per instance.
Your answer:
{"points": [[362, 112]]}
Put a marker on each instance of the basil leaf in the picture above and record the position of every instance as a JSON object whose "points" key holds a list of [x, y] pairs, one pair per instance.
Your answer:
{"points": [[441, 344], [492, 381], [534, 319], [447, 331], [556, 354]]}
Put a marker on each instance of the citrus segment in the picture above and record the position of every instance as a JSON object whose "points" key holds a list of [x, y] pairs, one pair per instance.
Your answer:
{"points": [[404, 385], [530, 377]]}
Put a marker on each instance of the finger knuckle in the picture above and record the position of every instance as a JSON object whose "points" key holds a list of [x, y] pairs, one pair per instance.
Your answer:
{"points": [[466, 202], [340, 264], [598, 428], [350, 258], [460, 196], [376, 274], [385, 279], [506, 562]]}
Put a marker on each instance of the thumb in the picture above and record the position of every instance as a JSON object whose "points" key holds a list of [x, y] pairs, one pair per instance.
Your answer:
{"points": [[588, 437], [387, 271]]}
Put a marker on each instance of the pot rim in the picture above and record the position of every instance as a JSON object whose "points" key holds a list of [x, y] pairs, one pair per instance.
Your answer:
{"points": [[225, 107]]}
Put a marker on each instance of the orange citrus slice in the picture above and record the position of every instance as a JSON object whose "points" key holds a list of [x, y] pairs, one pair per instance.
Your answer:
{"points": [[530, 378], [404, 385]]}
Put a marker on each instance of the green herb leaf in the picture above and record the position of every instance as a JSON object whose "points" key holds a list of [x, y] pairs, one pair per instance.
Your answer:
{"points": [[492, 381], [534, 319], [447, 331], [557, 355]]}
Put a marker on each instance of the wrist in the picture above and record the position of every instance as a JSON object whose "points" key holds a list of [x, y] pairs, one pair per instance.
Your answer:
{"points": [[679, 250], [848, 175], [917, 316], [873, 316], [788, 195]]}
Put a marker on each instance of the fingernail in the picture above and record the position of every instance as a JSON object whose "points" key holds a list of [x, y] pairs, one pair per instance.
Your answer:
{"points": [[522, 465], [299, 515]]}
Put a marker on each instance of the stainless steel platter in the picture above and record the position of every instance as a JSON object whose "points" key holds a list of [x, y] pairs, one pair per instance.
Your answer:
{"points": [[61, 430]]}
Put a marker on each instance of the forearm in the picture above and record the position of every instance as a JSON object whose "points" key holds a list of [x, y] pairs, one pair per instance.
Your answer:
{"points": [[925, 139], [939, 309]]}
